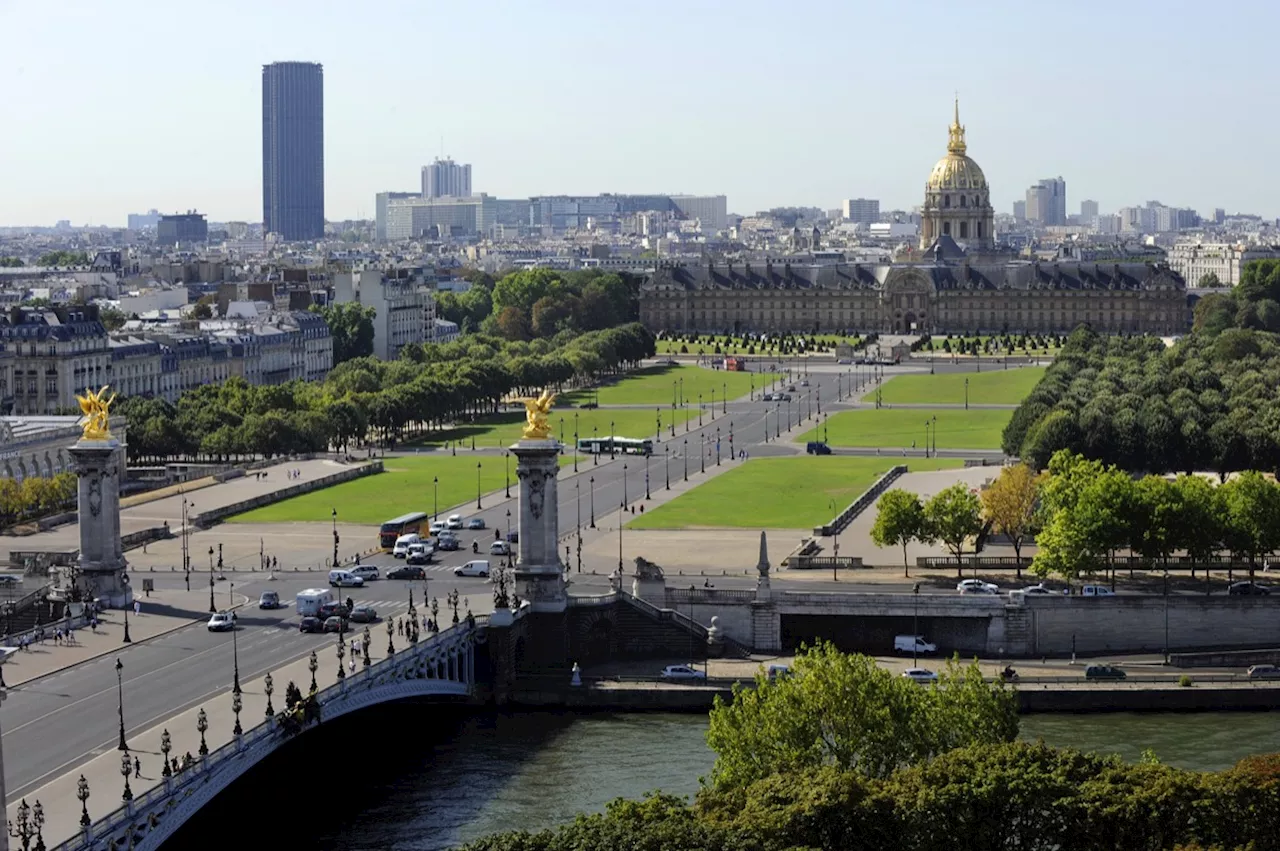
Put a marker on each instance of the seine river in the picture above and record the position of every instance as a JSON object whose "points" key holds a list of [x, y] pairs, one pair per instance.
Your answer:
{"points": [[419, 781]]}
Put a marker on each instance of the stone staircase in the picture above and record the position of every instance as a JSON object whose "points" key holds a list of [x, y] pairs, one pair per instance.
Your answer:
{"points": [[682, 622]]}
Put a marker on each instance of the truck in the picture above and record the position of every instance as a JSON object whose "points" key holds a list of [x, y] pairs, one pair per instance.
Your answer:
{"points": [[913, 644], [308, 602]]}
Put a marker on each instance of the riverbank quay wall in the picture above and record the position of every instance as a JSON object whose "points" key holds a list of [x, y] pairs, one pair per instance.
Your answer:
{"points": [[1012, 626]]}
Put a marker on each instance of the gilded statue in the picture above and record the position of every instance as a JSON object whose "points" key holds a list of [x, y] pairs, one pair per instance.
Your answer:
{"points": [[536, 411], [96, 407]]}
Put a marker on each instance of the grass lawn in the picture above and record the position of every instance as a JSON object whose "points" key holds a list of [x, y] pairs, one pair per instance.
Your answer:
{"points": [[896, 428], [404, 486], [654, 386], [995, 387], [777, 493], [504, 429]]}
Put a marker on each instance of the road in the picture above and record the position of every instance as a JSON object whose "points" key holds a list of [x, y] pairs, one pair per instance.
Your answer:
{"points": [[53, 724]]}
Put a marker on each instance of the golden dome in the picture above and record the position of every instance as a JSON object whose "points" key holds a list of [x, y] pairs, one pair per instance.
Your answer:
{"points": [[956, 170]]}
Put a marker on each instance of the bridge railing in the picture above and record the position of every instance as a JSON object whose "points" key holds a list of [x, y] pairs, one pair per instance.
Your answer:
{"points": [[109, 826]]}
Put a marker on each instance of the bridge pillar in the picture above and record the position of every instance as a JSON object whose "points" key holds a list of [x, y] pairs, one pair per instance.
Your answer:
{"points": [[100, 570], [539, 575]]}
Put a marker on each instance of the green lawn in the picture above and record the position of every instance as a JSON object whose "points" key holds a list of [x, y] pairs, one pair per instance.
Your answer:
{"points": [[404, 486], [656, 385], [994, 387], [777, 493], [504, 429], [896, 428]]}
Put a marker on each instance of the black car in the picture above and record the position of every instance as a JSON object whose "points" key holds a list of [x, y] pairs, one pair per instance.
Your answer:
{"points": [[1103, 672], [1248, 589], [817, 447], [329, 610], [407, 573], [311, 625]]}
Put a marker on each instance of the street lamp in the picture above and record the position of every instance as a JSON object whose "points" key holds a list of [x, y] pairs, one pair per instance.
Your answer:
{"points": [[702, 453], [926, 438], [127, 638], [646, 476], [915, 624], [612, 449], [212, 607], [717, 446], [658, 417], [235, 655], [624, 486], [334, 515], [30, 826], [313, 664], [966, 392], [166, 745], [624, 508], [236, 706], [666, 464], [268, 686], [686, 459], [724, 397], [478, 465], [935, 435], [364, 646], [506, 455], [126, 768], [508, 531], [122, 746], [342, 652], [202, 724], [699, 410], [82, 793], [593, 502], [391, 648], [186, 553], [835, 543], [435, 497], [575, 441]]}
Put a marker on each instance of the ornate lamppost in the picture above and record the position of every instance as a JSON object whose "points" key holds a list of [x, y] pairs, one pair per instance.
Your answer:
{"points": [[122, 746], [575, 441], [236, 706], [452, 600], [166, 745], [364, 645], [593, 502], [126, 768], [435, 615], [478, 465], [391, 648], [82, 793], [435, 497], [30, 825], [686, 459], [268, 686], [334, 515], [313, 664], [202, 724], [342, 652], [666, 464], [506, 454], [212, 607]]}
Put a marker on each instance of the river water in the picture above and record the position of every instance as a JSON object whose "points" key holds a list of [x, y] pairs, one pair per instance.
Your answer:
{"points": [[449, 782]]}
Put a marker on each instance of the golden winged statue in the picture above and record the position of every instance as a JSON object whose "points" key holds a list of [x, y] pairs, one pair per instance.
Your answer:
{"points": [[96, 407], [536, 411]]}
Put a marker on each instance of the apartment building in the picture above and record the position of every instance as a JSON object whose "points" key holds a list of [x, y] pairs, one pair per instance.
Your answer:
{"points": [[57, 352]]}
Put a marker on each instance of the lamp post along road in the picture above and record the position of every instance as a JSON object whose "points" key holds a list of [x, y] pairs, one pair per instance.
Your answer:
{"points": [[478, 465], [123, 745]]}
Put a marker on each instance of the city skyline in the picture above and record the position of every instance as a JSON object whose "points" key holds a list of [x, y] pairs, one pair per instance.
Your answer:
{"points": [[699, 122]]}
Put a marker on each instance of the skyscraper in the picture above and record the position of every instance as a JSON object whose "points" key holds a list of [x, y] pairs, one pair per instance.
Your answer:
{"points": [[293, 150], [445, 178]]}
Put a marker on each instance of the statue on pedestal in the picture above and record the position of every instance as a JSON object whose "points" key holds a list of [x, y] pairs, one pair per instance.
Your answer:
{"points": [[536, 411]]}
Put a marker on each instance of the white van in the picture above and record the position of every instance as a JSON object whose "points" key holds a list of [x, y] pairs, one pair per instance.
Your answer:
{"points": [[345, 579], [913, 644], [309, 602], [401, 549], [1096, 591], [478, 567]]}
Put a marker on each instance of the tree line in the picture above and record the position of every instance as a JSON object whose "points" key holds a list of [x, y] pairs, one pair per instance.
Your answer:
{"points": [[1209, 402], [35, 496], [842, 754], [430, 387]]}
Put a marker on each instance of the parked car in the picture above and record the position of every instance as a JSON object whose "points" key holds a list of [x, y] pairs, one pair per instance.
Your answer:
{"points": [[1036, 589], [437, 527], [1104, 672], [454, 521], [1264, 672], [920, 675], [804, 383], [310, 624], [335, 624], [329, 610], [912, 644], [976, 586], [1248, 589], [1096, 591], [367, 572], [817, 447], [476, 567], [363, 613], [407, 573], [682, 672], [782, 397], [222, 622], [475, 523], [845, 361], [792, 388], [269, 600], [499, 548]]}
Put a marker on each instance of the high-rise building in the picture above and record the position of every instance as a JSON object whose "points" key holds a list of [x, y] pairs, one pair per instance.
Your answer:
{"points": [[293, 150], [1037, 204], [1088, 212], [182, 228], [446, 179], [380, 202], [138, 221], [711, 210], [1020, 210], [862, 210]]}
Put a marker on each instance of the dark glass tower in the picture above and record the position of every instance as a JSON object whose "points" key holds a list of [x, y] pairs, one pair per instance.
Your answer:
{"points": [[293, 149]]}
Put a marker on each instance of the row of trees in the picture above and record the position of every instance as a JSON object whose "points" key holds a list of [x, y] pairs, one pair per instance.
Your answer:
{"points": [[1210, 402], [843, 754], [775, 343], [1007, 344], [952, 515], [429, 387], [35, 496], [541, 303]]}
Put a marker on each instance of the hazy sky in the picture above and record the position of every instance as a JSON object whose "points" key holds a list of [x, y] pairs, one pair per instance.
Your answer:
{"points": [[118, 107]]}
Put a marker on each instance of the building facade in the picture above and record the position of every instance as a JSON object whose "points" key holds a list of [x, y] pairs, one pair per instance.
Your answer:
{"points": [[182, 229], [404, 308], [293, 150], [957, 199], [414, 217], [444, 178], [861, 210], [1194, 260], [57, 353]]}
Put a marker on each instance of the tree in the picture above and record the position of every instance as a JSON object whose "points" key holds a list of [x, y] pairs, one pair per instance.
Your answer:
{"points": [[1209, 279], [63, 258], [1252, 506], [512, 324], [6, 262], [1010, 504], [202, 310], [953, 516], [845, 710], [112, 319], [351, 326], [899, 521]]}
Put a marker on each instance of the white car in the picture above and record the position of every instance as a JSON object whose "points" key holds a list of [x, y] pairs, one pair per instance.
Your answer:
{"points": [[1037, 589], [367, 572], [438, 527], [682, 672], [477, 567], [222, 622], [976, 586], [454, 521], [920, 675], [499, 548]]}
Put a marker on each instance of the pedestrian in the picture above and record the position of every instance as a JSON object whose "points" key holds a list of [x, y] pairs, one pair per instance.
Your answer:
{"points": [[137, 608], [352, 663], [93, 624], [174, 767], [275, 562], [57, 636], [137, 768]]}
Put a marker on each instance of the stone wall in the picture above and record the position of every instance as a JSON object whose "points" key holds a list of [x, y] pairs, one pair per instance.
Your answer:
{"points": [[217, 515]]}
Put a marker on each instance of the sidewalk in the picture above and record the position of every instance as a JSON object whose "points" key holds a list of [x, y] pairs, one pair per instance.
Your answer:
{"points": [[164, 611], [58, 796]]}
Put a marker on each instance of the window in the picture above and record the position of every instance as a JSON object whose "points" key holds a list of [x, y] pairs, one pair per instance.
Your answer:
{"points": [[980, 236], [962, 201], [946, 200], [946, 228], [964, 227]]}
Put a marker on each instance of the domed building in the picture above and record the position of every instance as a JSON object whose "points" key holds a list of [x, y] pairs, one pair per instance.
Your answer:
{"points": [[957, 199]]}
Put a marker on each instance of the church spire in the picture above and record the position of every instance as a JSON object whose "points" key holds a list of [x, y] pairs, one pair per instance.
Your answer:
{"points": [[955, 141]]}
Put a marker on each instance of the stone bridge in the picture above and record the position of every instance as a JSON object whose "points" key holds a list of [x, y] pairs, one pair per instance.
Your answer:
{"points": [[441, 666]]}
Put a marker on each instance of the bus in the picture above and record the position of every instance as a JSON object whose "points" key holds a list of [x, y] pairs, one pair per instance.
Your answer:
{"points": [[414, 521], [608, 445]]}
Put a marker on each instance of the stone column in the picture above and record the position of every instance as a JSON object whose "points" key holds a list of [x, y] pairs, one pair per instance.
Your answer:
{"points": [[101, 565], [539, 576]]}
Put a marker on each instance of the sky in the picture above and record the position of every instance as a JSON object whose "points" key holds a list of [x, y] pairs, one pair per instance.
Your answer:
{"points": [[120, 107]]}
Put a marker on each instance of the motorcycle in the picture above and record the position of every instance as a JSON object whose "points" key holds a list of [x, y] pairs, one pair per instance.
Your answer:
{"points": [[1009, 675], [475, 546]]}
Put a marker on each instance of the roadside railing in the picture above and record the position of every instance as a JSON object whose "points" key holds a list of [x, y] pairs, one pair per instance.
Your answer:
{"points": [[868, 498], [1170, 680]]}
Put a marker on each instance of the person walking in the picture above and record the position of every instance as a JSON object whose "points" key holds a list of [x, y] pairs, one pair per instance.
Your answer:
{"points": [[137, 608]]}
